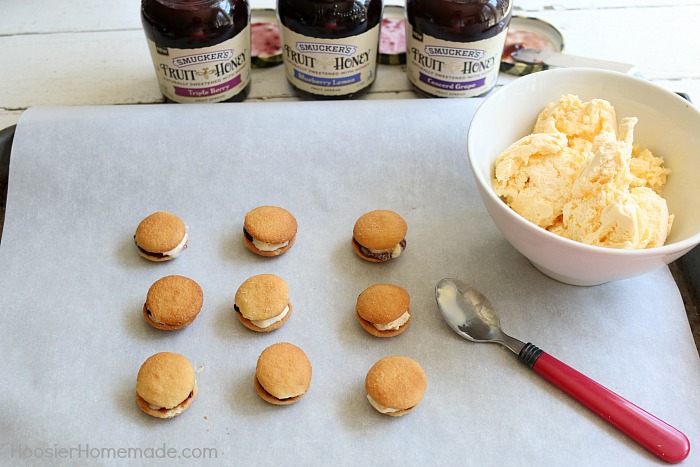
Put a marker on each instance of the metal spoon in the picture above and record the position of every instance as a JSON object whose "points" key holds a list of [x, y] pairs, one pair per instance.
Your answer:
{"points": [[472, 316]]}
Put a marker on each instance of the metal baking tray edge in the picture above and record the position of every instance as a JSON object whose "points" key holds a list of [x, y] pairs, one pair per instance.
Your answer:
{"points": [[7, 135]]}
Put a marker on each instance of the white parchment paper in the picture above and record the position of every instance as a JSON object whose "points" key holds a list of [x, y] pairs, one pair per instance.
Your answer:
{"points": [[72, 336]]}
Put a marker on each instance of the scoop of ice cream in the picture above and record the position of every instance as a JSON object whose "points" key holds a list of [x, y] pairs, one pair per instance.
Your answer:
{"points": [[580, 121], [600, 183], [637, 219], [658, 221], [647, 169], [608, 172], [581, 177], [534, 176], [604, 209]]}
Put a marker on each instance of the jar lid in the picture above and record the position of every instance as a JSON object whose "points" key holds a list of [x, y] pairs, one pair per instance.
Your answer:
{"points": [[392, 38], [531, 33], [265, 43]]}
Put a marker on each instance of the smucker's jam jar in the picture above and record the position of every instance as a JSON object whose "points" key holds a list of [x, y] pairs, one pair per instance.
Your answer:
{"points": [[454, 47], [330, 47], [200, 48]]}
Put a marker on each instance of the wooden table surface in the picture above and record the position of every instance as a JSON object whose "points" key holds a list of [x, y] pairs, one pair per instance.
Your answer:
{"points": [[74, 52]]}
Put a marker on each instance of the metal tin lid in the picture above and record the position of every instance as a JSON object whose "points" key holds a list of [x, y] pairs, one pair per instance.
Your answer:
{"points": [[527, 32], [392, 38], [265, 43]]}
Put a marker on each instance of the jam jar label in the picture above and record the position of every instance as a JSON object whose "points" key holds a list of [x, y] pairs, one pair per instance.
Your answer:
{"points": [[330, 67], [207, 74], [453, 69]]}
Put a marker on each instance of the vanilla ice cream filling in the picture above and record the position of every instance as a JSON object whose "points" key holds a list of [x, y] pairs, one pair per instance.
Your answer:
{"points": [[394, 325], [380, 408], [264, 246], [171, 412], [175, 252], [395, 251], [266, 323]]}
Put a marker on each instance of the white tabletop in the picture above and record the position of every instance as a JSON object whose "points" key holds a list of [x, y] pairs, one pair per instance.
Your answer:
{"points": [[78, 53]]}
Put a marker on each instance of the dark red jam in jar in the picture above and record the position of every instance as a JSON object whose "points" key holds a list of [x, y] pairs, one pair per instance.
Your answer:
{"points": [[454, 47], [200, 48], [330, 47]]}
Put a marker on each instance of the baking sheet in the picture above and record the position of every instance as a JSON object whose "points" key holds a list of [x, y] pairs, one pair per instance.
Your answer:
{"points": [[72, 336]]}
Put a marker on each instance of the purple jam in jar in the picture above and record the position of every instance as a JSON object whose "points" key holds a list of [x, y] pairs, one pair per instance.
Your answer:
{"points": [[200, 48], [330, 47]]}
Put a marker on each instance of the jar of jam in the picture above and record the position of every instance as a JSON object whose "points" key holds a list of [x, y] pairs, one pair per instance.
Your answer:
{"points": [[330, 47], [200, 48], [454, 47]]}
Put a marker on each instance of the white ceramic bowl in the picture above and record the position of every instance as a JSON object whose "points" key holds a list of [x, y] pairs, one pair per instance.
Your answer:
{"points": [[668, 125]]}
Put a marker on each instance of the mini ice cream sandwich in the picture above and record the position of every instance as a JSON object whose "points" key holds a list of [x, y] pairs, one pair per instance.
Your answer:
{"points": [[173, 302], [162, 236], [269, 230], [165, 385], [262, 303], [384, 310], [282, 374], [395, 385], [379, 236]]}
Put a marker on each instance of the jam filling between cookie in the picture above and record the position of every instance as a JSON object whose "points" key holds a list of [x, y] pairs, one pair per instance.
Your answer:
{"points": [[384, 256], [166, 409], [155, 255], [279, 398], [148, 253]]}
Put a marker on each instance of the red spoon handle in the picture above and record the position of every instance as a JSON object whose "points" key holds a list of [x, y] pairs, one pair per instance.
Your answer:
{"points": [[657, 436]]}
